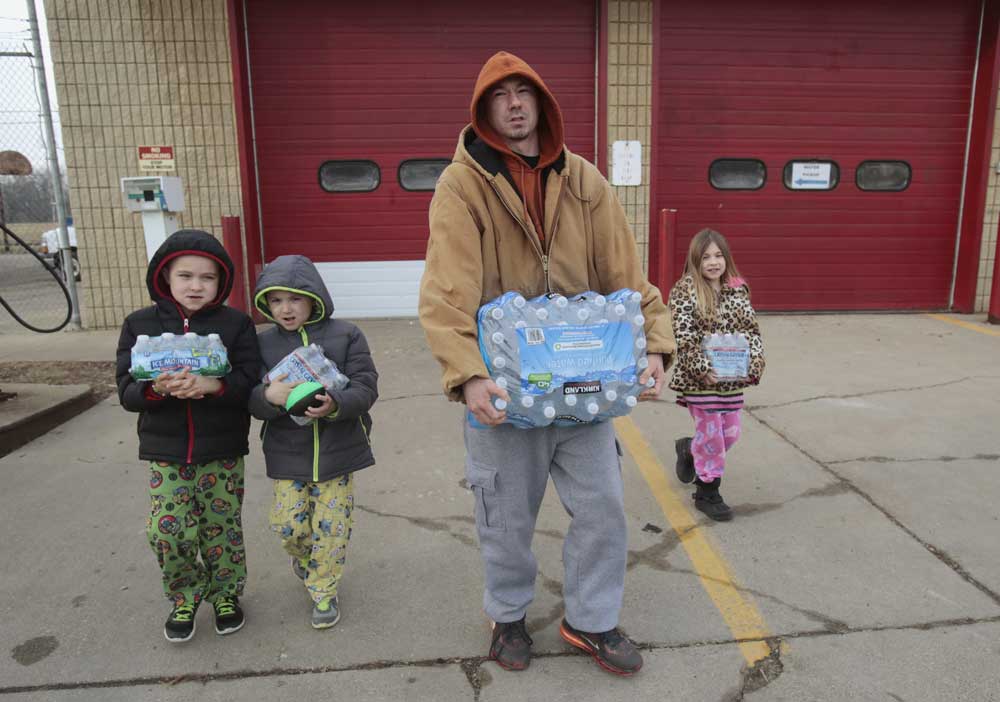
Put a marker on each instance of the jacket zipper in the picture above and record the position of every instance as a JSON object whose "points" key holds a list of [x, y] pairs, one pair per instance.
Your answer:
{"points": [[187, 404], [315, 425], [190, 420], [542, 256]]}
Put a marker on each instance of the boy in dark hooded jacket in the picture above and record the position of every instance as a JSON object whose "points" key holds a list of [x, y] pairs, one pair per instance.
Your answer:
{"points": [[313, 465], [193, 430]]}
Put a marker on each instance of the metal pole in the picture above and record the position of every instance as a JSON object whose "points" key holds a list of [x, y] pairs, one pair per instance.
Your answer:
{"points": [[50, 147]]}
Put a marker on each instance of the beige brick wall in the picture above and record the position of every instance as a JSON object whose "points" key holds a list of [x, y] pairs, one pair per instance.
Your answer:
{"points": [[988, 249], [131, 73], [630, 55]]}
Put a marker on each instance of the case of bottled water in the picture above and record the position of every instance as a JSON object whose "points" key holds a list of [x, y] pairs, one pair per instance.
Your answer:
{"points": [[729, 355], [562, 360], [169, 353], [308, 363]]}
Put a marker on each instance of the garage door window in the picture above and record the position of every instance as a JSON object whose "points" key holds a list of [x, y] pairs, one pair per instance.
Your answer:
{"points": [[811, 175], [883, 175], [737, 174], [421, 173], [349, 176]]}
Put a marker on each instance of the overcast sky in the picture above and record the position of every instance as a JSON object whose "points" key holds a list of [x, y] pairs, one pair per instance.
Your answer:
{"points": [[20, 123]]}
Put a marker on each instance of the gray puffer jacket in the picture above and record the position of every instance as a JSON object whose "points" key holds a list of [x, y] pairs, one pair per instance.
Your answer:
{"points": [[339, 443]]}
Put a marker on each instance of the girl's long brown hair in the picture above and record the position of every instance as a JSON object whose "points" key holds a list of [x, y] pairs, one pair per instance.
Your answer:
{"points": [[706, 299]]}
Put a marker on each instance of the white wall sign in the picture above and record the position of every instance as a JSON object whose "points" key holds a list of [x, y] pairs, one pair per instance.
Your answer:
{"points": [[810, 176], [626, 163]]}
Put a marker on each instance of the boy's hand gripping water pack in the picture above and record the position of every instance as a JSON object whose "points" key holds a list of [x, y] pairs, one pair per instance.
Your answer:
{"points": [[308, 364], [564, 361]]}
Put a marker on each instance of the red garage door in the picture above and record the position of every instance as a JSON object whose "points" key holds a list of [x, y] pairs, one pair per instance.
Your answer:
{"points": [[367, 86], [849, 117]]}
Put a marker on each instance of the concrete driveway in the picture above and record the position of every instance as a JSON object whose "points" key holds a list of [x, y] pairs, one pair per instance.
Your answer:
{"points": [[862, 562]]}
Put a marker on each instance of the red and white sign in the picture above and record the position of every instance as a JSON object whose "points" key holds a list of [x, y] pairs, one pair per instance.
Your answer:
{"points": [[156, 158]]}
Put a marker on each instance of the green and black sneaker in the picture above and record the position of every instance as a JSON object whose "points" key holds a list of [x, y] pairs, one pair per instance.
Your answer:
{"points": [[228, 615], [180, 624]]}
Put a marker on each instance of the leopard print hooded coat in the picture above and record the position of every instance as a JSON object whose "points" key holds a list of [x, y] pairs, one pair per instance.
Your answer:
{"points": [[735, 315]]}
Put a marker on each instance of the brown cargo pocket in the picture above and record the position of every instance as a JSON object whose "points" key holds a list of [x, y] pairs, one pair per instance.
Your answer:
{"points": [[489, 509]]}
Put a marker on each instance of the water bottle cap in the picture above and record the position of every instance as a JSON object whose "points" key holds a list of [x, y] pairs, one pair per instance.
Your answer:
{"points": [[570, 400], [499, 362], [561, 302], [635, 297], [213, 337], [519, 302], [497, 337], [190, 335], [496, 313], [500, 404], [501, 383], [639, 320], [520, 324], [583, 314], [543, 314], [528, 401], [642, 363], [611, 395], [600, 301], [631, 401], [619, 309], [640, 343], [549, 412], [592, 408], [142, 337], [167, 336]]}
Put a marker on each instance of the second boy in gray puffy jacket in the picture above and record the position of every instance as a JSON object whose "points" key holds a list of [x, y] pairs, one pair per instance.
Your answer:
{"points": [[313, 465]]}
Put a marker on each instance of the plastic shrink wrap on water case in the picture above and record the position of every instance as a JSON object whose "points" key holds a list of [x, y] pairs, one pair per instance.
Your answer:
{"points": [[308, 364], [169, 353], [562, 360]]}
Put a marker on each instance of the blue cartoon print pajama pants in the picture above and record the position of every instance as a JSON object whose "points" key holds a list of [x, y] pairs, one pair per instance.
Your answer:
{"points": [[314, 522]]}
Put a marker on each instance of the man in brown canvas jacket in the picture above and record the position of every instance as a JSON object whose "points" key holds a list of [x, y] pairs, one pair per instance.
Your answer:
{"points": [[516, 210]]}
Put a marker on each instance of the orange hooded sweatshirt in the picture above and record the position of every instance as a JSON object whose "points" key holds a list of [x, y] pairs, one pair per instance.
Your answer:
{"points": [[527, 180]]}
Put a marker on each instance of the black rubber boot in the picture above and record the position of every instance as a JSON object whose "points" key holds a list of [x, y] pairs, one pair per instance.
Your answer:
{"points": [[708, 500], [685, 461]]}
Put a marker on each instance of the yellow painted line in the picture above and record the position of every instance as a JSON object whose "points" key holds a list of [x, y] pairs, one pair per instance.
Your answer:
{"points": [[740, 613], [982, 329]]}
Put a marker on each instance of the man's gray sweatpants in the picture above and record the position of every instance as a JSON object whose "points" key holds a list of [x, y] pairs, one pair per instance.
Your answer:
{"points": [[508, 469]]}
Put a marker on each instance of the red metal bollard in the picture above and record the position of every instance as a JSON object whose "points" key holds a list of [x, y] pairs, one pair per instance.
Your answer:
{"points": [[665, 262], [993, 316], [233, 241]]}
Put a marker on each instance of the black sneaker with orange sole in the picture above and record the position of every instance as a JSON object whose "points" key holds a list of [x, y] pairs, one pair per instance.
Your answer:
{"points": [[611, 649], [511, 645]]}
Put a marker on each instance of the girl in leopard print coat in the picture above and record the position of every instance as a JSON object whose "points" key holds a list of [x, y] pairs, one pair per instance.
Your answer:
{"points": [[710, 298]]}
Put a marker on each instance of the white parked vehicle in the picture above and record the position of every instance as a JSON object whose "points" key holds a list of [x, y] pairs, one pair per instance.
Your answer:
{"points": [[49, 248]]}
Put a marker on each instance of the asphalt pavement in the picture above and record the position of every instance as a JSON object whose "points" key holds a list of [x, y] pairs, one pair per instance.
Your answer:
{"points": [[861, 563]]}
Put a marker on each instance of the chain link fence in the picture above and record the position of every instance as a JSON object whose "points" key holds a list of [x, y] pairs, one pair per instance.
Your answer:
{"points": [[31, 292]]}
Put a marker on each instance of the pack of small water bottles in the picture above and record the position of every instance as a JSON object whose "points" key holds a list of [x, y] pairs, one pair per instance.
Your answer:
{"points": [[308, 364], [171, 353], [565, 360], [729, 355]]}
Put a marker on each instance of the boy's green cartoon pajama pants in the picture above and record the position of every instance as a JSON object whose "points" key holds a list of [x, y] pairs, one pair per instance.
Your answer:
{"points": [[196, 510], [314, 522]]}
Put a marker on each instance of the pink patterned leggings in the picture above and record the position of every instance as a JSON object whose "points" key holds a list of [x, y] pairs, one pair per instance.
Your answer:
{"points": [[714, 435]]}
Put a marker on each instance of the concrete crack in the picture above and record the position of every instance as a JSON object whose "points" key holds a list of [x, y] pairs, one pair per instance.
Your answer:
{"points": [[467, 663], [393, 398], [931, 548], [439, 525], [937, 459], [885, 391]]}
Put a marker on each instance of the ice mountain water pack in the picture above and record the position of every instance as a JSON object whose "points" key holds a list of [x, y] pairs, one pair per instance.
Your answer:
{"points": [[169, 353]]}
